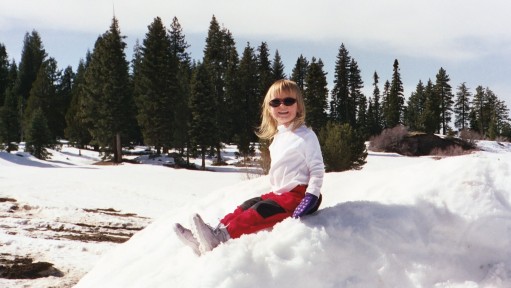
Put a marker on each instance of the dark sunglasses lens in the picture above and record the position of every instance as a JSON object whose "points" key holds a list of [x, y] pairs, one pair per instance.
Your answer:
{"points": [[275, 103], [289, 101]]}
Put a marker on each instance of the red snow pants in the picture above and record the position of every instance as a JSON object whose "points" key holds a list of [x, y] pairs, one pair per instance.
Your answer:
{"points": [[263, 212]]}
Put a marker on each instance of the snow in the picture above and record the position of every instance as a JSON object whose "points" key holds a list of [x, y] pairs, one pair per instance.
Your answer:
{"points": [[397, 222]]}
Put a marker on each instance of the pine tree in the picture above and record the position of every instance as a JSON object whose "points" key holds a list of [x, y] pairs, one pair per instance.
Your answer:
{"points": [[497, 114], [202, 105], [340, 104], [462, 107], [277, 68], [9, 120], [181, 111], [432, 112], [265, 76], [155, 87], [355, 95], [232, 89], [43, 96], [395, 101], [299, 72], [416, 105], [385, 103], [32, 57], [444, 91], [108, 101], [216, 61], [362, 118], [77, 130], [4, 73], [316, 95], [374, 111], [342, 148], [249, 100], [64, 88], [477, 113], [38, 135]]}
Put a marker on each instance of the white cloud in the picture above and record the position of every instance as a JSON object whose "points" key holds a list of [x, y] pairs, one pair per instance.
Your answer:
{"points": [[436, 28]]}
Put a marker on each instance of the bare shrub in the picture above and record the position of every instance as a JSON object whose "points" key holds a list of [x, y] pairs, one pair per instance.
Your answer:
{"points": [[452, 150], [502, 139], [470, 135], [388, 139], [265, 159]]}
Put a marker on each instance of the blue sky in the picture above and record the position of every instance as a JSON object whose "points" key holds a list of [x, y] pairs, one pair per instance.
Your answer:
{"points": [[470, 39]]}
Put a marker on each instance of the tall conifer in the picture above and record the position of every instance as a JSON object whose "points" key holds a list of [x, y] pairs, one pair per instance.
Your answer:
{"points": [[340, 104], [156, 87], [374, 112], [216, 61], [249, 99], [202, 105], [414, 116], [4, 73], [462, 107], [179, 48], [444, 91], [316, 95], [395, 100], [277, 68], [77, 130], [32, 57], [299, 72], [264, 69], [109, 101]]}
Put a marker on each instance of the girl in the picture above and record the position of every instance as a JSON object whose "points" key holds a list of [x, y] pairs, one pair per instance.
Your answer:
{"points": [[296, 174]]}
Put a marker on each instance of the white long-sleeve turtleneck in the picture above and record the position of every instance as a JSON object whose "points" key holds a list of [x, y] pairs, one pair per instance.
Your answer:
{"points": [[296, 160]]}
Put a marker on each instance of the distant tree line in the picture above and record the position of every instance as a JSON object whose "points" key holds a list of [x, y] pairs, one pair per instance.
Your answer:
{"points": [[165, 99]]}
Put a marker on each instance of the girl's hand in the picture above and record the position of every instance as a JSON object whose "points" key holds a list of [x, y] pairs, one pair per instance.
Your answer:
{"points": [[306, 205]]}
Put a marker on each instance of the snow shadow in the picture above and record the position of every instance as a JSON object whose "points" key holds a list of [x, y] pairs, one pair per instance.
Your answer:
{"points": [[405, 242], [21, 159], [25, 159]]}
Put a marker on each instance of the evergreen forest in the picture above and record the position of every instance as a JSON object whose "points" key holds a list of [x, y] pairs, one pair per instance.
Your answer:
{"points": [[165, 99]]}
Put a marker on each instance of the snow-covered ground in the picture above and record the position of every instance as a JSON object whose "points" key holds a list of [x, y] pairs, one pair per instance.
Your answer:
{"points": [[398, 222]]}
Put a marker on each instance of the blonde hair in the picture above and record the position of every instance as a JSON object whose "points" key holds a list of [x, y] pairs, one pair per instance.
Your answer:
{"points": [[268, 127]]}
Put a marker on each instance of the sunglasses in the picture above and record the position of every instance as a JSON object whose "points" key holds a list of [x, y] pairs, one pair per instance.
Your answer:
{"points": [[288, 101]]}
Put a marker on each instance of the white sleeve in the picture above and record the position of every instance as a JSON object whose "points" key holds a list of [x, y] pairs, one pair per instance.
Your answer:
{"points": [[314, 161]]}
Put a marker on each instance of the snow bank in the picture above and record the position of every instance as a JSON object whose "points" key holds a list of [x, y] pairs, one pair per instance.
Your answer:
{"points": [[398, 222]]}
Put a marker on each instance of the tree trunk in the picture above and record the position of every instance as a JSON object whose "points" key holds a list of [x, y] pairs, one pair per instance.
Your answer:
{"points": [[118, 149], [203, 151]]}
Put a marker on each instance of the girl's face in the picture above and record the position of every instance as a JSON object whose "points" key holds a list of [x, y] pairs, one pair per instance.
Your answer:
{"points": [[286, 110]]}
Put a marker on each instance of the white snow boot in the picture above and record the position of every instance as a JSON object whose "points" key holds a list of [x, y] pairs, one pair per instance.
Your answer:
{"points": [[186, 236], [208, 236]]}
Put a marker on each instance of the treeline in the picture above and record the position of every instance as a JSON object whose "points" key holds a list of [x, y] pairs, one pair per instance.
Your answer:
{"points": [[165, 99]]}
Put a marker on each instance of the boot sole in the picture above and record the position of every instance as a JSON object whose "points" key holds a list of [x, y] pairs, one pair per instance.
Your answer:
{"points": [[180, 230], [204, 245]]}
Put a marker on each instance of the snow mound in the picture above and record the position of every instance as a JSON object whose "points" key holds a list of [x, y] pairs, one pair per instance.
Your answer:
{"points": [[398, 222]]}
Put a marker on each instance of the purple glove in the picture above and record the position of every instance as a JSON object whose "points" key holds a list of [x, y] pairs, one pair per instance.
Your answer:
{"points": [[306, 205]]}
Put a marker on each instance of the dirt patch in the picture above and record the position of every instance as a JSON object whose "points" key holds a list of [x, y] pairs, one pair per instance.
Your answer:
{"points": [[113, 212], [2, 199], [24, 268], [64, 226]]}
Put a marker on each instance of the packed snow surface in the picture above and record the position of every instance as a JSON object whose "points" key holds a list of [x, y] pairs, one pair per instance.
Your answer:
{"points": [[397, 222]]}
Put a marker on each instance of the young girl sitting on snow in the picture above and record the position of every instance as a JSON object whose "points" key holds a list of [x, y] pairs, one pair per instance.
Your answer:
{"points": [[296, 174]]}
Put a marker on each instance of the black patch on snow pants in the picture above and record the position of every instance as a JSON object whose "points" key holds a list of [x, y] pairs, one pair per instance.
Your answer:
{"points": [[265, 208]]}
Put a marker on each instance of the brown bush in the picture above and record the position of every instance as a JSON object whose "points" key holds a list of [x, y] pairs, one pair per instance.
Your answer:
{"points": [[389, 139], [470, 135]]}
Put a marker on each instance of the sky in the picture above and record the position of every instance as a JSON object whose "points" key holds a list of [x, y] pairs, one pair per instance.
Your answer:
{"points": [[470, 39], [397, 222]]}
